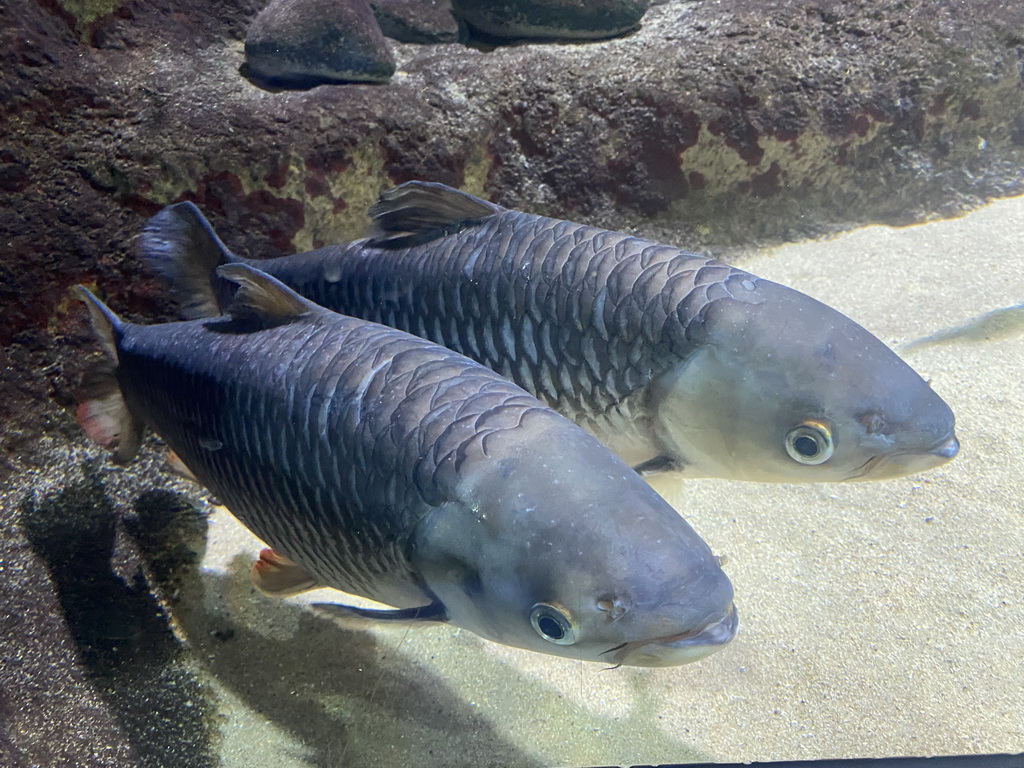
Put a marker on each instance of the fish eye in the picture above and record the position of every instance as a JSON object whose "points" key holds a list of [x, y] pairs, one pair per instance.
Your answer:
{"points": [[810, 443], [553, 623]]}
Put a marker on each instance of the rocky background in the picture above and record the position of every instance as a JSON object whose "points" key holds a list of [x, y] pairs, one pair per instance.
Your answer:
{"points": [[725, 123], [716, 124]]}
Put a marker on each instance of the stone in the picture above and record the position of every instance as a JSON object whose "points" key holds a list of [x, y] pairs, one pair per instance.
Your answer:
{"points": [[302, 43], [417, 21], [552, 19]]}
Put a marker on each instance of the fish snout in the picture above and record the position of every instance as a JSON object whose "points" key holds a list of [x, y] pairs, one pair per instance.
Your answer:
{"points": [[685, 647], [911, 462], [948, 449]]}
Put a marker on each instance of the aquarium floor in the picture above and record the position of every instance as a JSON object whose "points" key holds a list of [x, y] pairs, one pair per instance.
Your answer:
{"points": [[877, 619], [881, 618]]}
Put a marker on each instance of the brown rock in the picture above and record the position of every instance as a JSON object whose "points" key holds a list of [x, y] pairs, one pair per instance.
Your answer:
{"points": [[417, 21]]}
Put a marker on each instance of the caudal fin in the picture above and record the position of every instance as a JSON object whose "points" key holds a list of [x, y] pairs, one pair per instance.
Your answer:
{"points": [[181, 245], [102, 411]]}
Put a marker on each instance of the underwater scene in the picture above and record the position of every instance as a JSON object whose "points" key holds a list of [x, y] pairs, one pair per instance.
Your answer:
{"points": [[541, 384]]}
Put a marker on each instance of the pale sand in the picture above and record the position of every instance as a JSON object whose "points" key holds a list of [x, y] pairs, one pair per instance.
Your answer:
{"points": [[876, 619]]}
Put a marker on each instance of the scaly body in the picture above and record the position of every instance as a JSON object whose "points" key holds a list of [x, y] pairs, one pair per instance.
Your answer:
{"points": [[672, 359], [386, 466]]}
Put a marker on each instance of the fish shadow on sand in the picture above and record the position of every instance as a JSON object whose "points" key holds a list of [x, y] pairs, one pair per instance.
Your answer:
{"points": [[167, 643], [345, 696], [124, 579], [124, 643]]}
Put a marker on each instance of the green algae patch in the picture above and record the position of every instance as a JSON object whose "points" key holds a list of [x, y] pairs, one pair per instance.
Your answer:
{"points": [[85, 12]]}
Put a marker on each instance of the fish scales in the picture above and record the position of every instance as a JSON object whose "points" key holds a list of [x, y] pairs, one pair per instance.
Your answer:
{"points": [[277, 466], [387, 466], [666, 355], [475, 276]]}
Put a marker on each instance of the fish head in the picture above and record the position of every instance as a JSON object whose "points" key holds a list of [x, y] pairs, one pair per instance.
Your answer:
{"points": [[786, 389], [559, 547]]}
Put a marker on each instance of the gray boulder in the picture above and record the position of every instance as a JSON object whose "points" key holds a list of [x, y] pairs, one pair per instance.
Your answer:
{"points": [[417, 21], [302, 43], [552, 19]]}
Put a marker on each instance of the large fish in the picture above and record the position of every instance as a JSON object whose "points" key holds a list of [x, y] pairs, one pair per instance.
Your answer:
{"points": [[387, 466], [674, 360]]}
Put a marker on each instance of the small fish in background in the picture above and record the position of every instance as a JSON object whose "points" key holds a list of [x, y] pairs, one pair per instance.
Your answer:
{"points": [[675, 361], [1005, 323], [386, 466]]}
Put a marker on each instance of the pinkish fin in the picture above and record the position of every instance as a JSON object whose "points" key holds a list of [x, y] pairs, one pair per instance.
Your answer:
{"points": [[278, 576], [177, 467], [104, 415]]}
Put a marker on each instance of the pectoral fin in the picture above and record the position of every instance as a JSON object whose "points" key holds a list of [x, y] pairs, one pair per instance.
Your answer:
{"points": [[657, 465], [278, 576], [349, 615]]}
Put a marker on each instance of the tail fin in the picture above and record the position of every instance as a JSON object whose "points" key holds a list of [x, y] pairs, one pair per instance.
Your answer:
{"points": [[181, 245], [102, 411], [420, 211]]}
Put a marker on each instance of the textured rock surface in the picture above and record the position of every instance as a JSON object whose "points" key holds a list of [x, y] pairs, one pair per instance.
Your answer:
{"points": [[716, 123], [417, 21], [302, 43], [557, 19]]}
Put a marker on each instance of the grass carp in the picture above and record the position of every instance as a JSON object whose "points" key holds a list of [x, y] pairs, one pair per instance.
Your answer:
{"points": [[672, 359], [386, 466]]}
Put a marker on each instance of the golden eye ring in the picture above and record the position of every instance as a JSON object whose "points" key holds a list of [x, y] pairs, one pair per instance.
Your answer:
{"points": [[810, 442], [553, 623]]}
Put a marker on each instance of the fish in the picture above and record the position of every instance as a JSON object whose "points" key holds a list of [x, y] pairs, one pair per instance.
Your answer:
{"points": [[389, 467], [677, 362], [998, 324]]}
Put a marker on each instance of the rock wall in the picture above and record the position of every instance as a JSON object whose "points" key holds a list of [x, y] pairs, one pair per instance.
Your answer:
{"points": [[734, 122]]}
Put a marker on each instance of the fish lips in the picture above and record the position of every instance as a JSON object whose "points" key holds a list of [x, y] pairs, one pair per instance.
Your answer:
{"points": [[900, 464], [682, 648]]}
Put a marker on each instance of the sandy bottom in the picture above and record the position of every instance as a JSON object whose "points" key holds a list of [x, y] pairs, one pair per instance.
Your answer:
{"points": [[876, 619]]}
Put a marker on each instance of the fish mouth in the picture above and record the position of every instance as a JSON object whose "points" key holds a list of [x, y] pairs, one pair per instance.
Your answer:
{"points": [[683, 648], [890, 465]]}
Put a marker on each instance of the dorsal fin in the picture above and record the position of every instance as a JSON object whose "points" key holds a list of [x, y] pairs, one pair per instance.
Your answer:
{"points": [[263, 298], [420, 211]]}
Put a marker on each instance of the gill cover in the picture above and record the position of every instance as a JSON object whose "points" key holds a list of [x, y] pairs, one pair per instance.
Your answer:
{"points": [[787, 389]]}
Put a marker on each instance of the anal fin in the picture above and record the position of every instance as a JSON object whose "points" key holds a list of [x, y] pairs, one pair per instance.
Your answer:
{"points": [[278, 576]]}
